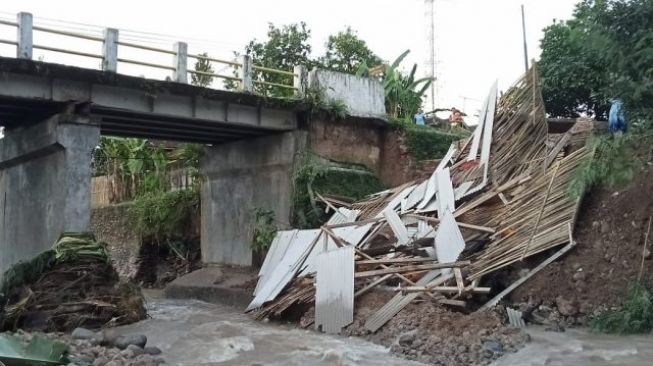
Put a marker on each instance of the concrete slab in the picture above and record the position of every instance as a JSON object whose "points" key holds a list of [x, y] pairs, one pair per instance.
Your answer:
{"points": [[231, 286]]}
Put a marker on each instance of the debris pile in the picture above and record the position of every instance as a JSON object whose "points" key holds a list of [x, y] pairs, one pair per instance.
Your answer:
{"points": [[495, 199], [71, 285]]}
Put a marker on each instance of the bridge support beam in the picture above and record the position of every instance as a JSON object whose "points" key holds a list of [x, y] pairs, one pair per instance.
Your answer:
{"points": [[45, 177], [238, 178]]}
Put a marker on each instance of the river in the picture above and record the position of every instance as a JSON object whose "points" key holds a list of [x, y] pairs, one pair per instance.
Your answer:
{"points": [[197, 333]]}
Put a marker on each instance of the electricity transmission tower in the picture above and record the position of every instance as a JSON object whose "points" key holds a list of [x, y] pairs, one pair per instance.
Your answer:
{"points": [[429, 60]]}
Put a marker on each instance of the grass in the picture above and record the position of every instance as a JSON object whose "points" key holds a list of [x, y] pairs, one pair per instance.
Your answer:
{"points": [[635, 316]]}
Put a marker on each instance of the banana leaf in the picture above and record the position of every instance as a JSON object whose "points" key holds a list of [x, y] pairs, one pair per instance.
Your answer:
{"points": [[39, 351]]}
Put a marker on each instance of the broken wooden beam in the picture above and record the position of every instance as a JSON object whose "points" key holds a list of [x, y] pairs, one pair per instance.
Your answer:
{"points": [[419, 267], [460, 224], [445, 289]]}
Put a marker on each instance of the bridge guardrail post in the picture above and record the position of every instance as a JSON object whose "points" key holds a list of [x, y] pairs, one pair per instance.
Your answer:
{"points": [[110, 50], [300, 80], [180, 63], [25, 35], [245, 74]]}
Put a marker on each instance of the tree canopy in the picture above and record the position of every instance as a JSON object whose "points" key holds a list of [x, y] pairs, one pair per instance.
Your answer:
{"points": [[605, 51], [346, 52]]}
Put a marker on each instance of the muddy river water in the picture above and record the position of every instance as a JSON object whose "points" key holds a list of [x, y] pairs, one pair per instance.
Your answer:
{"points": [[196, 333]]}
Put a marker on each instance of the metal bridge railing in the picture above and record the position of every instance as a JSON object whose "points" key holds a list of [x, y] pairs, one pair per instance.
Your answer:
{"points": [[245, 77]]}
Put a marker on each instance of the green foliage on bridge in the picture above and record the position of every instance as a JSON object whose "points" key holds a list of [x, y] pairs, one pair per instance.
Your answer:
{"points": [[317, 176]]}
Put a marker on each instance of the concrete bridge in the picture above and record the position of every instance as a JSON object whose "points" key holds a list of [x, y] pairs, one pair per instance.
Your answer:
{"points": [[53, 116]]}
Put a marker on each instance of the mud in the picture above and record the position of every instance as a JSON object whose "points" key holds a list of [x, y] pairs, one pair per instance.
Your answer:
{"points": [[597, 273], [436, 335]]}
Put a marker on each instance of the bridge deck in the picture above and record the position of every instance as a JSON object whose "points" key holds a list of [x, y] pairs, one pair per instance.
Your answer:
{"points": [[131, 106]]}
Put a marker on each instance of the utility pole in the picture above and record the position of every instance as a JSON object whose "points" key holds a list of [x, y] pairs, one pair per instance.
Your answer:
{"points": [[523, 27], [429, 60]]}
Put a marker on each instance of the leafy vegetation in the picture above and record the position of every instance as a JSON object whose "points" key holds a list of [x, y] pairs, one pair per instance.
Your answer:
{"points": [[346, 52], [403, 93], [427, 143], [323, 177], [288, 46], [202, 65], [285, 47], [604, 52], [163, 217], [137, 167], [264, 229], [635, 316], [322, 107], [37, 350], [615, 163]]}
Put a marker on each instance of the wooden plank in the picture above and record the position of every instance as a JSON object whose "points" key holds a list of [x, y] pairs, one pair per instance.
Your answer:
{"points": [[458, 275], [372, 285], [403, 269], [460, 224], [539, 216], [530, 274], [564, 141], [445, 289], [396, 260]]}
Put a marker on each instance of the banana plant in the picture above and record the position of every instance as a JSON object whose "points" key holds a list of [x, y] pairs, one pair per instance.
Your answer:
{"points": [[403, 93]]}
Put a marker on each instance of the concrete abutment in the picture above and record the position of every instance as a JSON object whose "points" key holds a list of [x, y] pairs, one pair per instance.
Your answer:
{"points": [[45, 177], [239, 177]]}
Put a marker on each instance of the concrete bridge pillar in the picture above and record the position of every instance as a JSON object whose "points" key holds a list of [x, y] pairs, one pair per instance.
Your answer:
{"points": [[45, 177], [238, 178]]}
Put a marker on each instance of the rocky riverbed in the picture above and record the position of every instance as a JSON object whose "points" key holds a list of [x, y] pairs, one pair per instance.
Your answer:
{"points": [[111, 348]]}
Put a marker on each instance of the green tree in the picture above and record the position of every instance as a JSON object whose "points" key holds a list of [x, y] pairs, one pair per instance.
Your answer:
{"points": [[284, 48], [564, 55], [202, 65], [605, 51], [614, 37], [346, 52]]}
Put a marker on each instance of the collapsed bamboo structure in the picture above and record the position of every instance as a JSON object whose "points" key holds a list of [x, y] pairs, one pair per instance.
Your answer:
{"points": [[496, 198]]}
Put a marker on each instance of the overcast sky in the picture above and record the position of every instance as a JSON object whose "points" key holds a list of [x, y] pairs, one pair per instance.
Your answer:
{"points": [[477, 41]]}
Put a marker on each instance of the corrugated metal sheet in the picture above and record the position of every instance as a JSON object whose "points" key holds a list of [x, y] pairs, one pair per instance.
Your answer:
{"points": [[515, 318], [446, 200], [429, 194], [293, 260], [416, 196], [276, 252], [432, 186], [334, 292], [350, 234], [461, 190], [447, 157], [343, 216], [396, 201], [449, 242], [489, 125], [397, 226]]}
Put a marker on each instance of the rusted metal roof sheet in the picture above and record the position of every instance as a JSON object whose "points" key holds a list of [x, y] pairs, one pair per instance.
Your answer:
{"points": [[334, 292]]}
